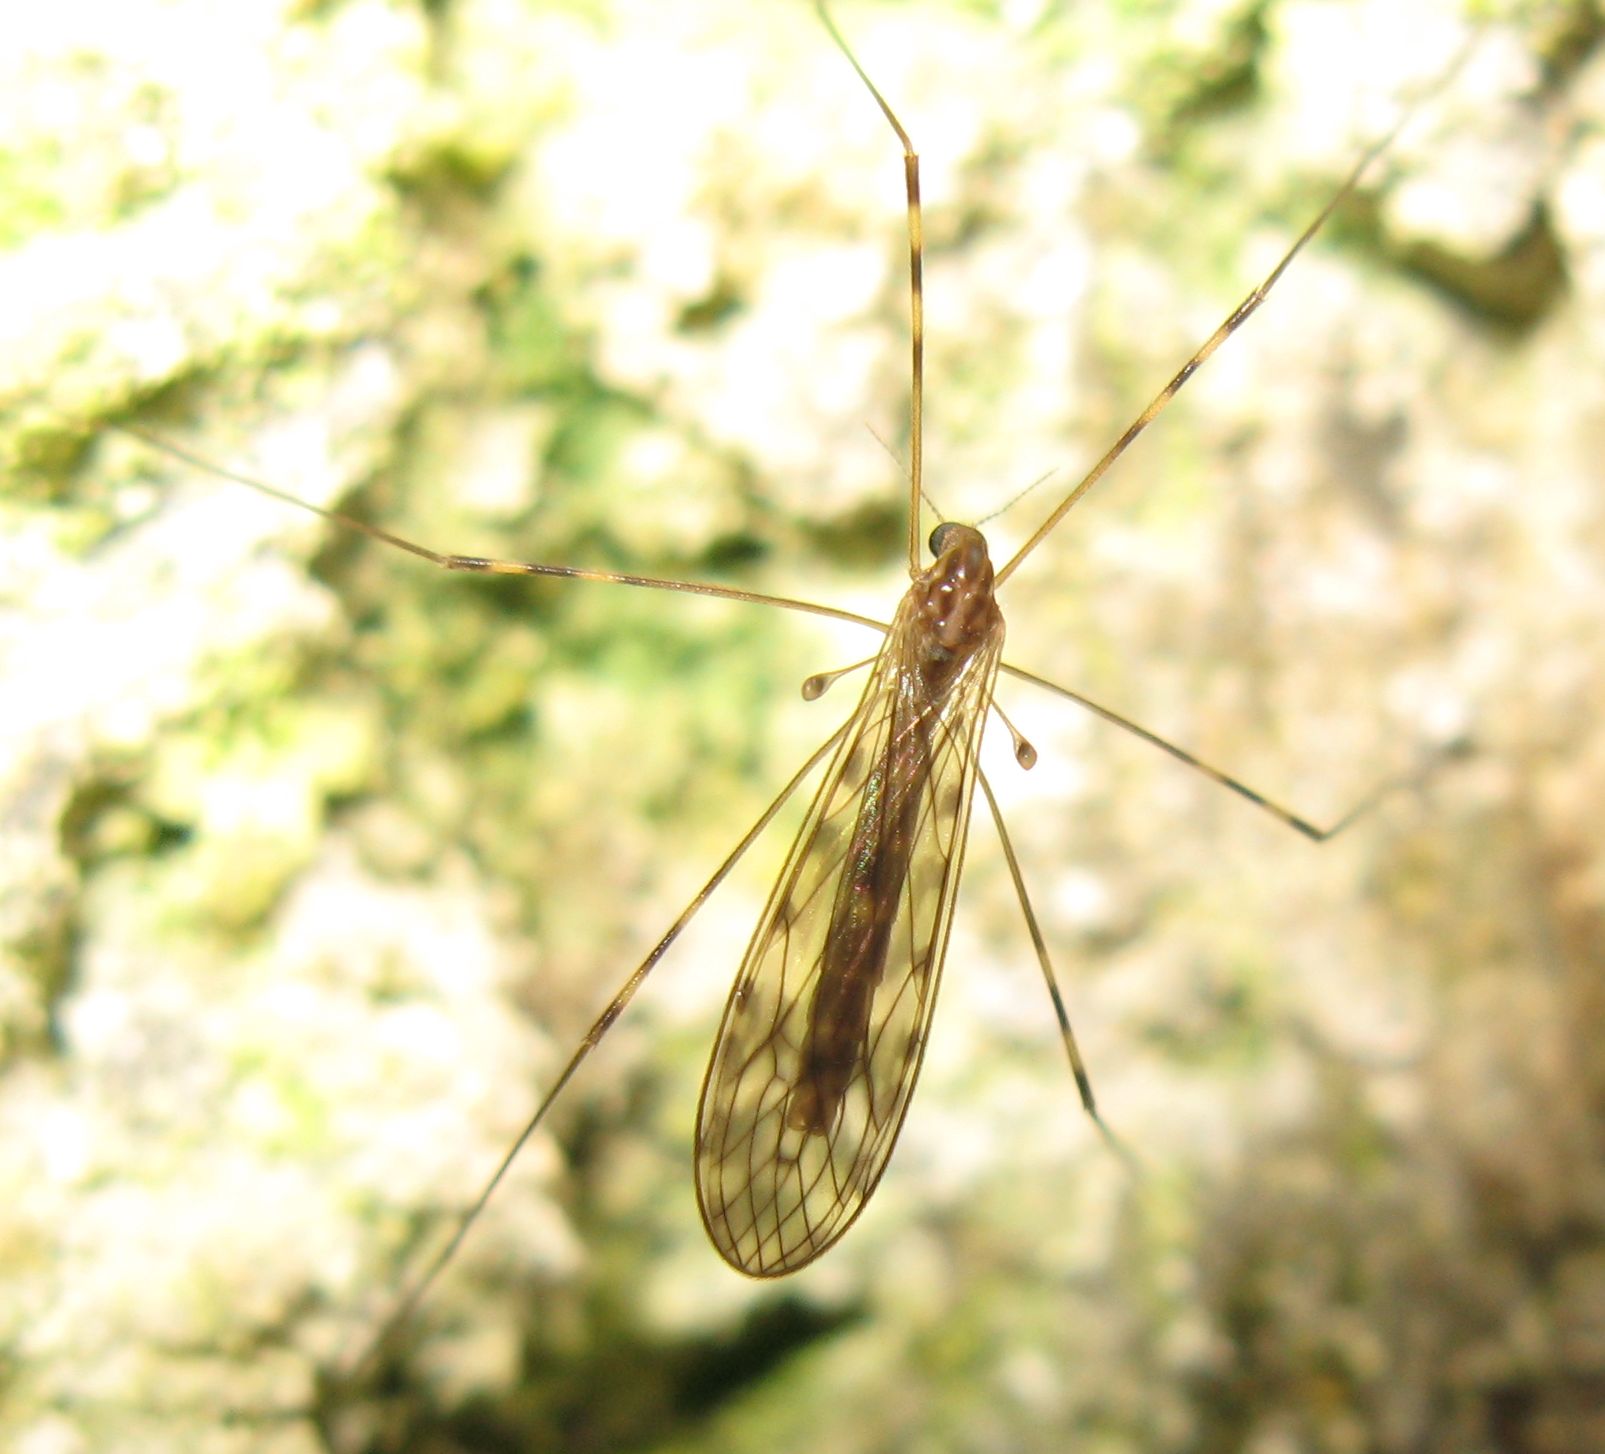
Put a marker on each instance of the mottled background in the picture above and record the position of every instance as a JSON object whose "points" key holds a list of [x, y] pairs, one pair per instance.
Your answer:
{"points": [[316, 862]]}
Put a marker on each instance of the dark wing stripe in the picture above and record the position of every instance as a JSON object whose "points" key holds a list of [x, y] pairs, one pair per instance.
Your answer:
{"points": [[775, 1195]]}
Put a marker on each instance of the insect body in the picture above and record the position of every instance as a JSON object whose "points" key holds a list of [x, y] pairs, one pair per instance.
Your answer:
{"points": [[822, 1036]]}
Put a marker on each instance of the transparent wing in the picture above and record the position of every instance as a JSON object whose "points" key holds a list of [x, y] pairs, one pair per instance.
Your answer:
{"points": [[822, 1039]]}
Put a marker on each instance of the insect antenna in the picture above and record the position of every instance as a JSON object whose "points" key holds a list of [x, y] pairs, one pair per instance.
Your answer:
{"points": [[1015, 498]]}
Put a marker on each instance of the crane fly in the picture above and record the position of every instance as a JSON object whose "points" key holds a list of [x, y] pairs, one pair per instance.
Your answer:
{"points": [[822, 1036]]}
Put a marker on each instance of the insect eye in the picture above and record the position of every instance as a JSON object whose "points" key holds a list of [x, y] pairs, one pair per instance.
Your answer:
{"points": [[939, 537]]}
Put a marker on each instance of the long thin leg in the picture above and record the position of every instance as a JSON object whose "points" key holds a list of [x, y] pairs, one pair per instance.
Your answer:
{"points": [[1078, 1067], [604, 1022], [1310, 830], [483, 565], [1238, 316], [916, 253]]}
